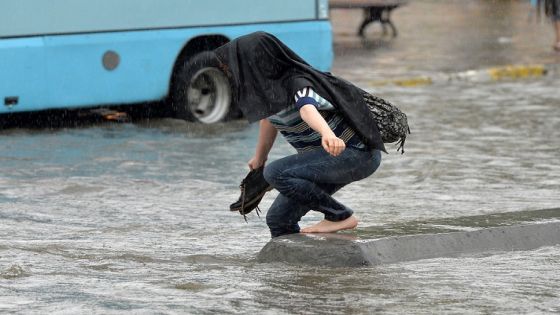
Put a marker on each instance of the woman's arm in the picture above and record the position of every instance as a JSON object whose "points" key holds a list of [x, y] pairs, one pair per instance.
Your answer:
{"points": [[267, 135], [331, 143]]}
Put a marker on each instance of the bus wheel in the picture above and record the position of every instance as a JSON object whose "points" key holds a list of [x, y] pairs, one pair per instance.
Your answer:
{"points": [[201, 92]]}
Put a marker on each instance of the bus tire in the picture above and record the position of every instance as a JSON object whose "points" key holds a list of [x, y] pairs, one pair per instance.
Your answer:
{"points": [[201, 91]]}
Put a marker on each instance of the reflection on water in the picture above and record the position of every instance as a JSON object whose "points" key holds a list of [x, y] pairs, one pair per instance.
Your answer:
{"points": [[135, 217]]}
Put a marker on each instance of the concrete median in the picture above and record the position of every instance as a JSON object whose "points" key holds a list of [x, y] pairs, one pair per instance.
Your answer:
{"points": [[436, 239]]}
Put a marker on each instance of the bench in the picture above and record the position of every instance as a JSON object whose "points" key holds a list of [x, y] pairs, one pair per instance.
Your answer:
{"points": [[374, 11]]}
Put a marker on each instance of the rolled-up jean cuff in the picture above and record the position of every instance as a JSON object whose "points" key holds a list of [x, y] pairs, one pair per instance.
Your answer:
{"points": [[340, 217]]}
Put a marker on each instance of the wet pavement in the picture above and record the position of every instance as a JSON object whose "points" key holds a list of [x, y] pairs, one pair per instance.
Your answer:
{"points": [[442, 36], [133, 217]]}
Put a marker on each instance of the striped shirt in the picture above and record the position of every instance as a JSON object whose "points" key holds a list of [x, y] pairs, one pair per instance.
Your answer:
{"points": [[298, 133]]}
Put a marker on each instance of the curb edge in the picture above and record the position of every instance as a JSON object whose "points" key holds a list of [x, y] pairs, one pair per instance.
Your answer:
{"points": [[492, 74]]}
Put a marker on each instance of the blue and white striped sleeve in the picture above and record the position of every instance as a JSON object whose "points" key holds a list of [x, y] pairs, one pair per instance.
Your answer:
{"points": [[305, 97]]}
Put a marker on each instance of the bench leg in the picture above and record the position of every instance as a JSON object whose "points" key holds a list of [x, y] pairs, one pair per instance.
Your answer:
{"points": [[368, 18], [383, 15], [395, 33], [386, 19]]}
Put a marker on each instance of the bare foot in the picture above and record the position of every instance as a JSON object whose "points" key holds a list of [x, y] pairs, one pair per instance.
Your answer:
{"points": [[326, 226]]}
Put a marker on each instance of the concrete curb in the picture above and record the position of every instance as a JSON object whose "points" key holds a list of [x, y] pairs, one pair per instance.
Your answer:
{"points": [[347, 250], [494, 74]]}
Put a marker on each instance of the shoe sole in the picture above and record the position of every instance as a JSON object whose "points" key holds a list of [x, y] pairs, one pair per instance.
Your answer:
{"points": [[250, 203]]}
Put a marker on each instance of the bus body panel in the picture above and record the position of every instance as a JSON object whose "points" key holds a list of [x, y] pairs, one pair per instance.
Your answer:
{"points": [[22, 71], [51, 52], [28, 18], [77, 78]]}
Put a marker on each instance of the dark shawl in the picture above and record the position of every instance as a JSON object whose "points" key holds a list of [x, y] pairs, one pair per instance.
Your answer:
{"points": [[265, 75]]}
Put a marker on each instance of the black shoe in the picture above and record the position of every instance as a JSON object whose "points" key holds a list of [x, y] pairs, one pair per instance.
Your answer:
{"points": [[253, 187]]}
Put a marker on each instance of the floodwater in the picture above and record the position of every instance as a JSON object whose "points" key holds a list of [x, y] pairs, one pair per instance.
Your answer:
{"points": [[134, 217]]}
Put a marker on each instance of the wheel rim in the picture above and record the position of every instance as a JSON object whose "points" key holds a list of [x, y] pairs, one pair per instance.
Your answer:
{"points": [[209, 95]]}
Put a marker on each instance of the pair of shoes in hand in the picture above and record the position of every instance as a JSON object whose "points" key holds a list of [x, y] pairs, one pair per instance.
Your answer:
{"points": [[253, 188]]}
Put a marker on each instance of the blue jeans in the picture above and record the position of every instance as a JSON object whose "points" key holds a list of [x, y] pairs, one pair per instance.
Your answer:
{"points": [[306, 182]]}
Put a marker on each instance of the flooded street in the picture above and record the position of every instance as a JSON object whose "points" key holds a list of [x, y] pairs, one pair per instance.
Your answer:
{"points": [[134, 217]]}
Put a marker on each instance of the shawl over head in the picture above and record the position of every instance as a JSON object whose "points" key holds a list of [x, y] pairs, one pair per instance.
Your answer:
{"points": [[265, 75]]}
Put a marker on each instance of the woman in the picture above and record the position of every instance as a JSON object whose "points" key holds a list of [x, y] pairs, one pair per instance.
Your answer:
{"points": [[323, 117]]}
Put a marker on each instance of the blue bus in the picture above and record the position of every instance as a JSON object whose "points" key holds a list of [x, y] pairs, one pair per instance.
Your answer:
{"points": [[83, 53]]}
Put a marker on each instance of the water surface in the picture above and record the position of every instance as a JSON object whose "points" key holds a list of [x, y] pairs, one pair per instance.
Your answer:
{"points": [[135, 216]]}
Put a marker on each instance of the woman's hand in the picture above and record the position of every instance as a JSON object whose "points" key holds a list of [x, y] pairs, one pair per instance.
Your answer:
{"points": [[332, 144], [255, 162]]}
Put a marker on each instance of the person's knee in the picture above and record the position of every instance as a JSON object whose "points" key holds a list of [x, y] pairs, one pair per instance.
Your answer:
{"points": [[273, 174], [372, 165], [268, 174]]}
